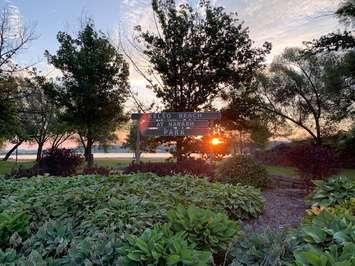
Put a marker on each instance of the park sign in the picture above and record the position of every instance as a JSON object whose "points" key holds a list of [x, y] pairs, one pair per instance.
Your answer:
{"points": [[174, 124]]}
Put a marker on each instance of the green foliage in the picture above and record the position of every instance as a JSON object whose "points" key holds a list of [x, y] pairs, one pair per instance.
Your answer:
{"points": [[333, 257], [252, 249], [209, 230], [196, 52], [328, 233], [159, 246], [78, 219], [347, 208], [11, 223], [333, 191], [94, 85], [53, 239], [306, 90], [244, 170]]}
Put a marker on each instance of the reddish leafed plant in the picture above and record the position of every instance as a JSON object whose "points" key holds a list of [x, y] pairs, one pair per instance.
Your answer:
{"points": [[60, 162], [314, 161], [186, 167]]}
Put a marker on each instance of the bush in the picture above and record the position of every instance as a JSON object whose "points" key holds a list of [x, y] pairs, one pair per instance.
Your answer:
{"points": [[347, 208], [26, 172], [12, 223], [267, 248], [244, 170], [60, 162], [326, 234], [333, 191], [96, 171], [207, 229], [313, 161], [335, 256], [274, 156], [187, 167], [91, 216], [159, 246]]}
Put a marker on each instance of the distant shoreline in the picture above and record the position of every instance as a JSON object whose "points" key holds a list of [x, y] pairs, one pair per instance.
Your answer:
{"points": [[108, 155]]}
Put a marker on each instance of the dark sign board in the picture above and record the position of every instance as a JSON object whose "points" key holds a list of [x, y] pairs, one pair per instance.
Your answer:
{"points": [[173, 123], [178, 116], [175, 132]]}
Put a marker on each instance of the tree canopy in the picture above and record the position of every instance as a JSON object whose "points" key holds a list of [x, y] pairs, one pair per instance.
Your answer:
{"points": [[309, 91], [196, 53], [93, 88]]}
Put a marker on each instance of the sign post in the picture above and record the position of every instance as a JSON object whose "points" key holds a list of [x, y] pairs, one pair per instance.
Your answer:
{"points": [[172, 124], [138, 142]]}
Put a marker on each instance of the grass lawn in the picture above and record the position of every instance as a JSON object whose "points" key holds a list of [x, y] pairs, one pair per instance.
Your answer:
{"points": [[7, 166], [290, 171]]}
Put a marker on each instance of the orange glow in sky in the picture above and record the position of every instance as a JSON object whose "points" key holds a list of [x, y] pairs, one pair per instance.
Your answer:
{"points": [[216, 141]]}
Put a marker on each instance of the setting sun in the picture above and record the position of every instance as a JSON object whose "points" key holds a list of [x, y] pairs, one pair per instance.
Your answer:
{"points": [[216, 141]]}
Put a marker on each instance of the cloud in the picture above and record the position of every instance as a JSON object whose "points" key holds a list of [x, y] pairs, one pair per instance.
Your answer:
{"points": [[15, 21], [286, 22]]}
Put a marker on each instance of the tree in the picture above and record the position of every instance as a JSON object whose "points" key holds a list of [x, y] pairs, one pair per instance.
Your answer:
{"points": [[337, 41], [14, 38], [309, 91], [42, 117], [195, 53], [94, 86]]}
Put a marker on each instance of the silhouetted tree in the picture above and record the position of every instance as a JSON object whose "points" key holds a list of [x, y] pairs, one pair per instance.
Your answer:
{"points": [[94, 86], [13, 40], [307, 90], [194, 53]]}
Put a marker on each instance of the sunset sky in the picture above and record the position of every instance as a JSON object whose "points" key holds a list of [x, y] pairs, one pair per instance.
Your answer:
{"points": [[283, 22]]}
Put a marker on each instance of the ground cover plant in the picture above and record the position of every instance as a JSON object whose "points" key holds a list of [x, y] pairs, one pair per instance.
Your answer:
{"points": [[89, 218], [333, 191]]}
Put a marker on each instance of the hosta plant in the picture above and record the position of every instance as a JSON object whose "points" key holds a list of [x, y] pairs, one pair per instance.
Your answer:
{"points": [[334, 257], [347, 208], [12, 223], [207, 229], [159, 246], [326, 232], [267, 248], [333, 191]]}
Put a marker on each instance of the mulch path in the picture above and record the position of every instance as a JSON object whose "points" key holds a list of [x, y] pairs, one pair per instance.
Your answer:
{"points": [[284, 208]]}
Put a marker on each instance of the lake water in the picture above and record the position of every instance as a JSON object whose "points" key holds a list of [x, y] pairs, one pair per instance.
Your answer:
{"points": [[104, 155]]}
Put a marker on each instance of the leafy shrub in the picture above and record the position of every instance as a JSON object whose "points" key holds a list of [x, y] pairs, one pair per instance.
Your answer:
{"points": [[186, 167], [314, 161], [100, 249], [347, 208], [333, 191], [11, 223], [209, 230], [159, 246], [26, 172], [274, 156], [267, 248], [96, 171], [244, 170], [60, 162], [326, 232], [53, 239], [103, 211], [336, 256]]}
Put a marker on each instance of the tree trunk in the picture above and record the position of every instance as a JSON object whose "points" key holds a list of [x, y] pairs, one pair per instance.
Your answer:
{"points": [[8, 154], [89, 158], [39, 151]]}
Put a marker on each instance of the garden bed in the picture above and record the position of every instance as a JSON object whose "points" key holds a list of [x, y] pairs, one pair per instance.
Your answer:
{"points": [[89, 218]]}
